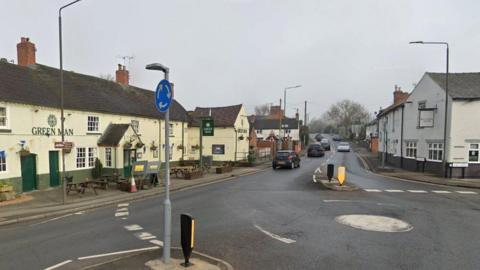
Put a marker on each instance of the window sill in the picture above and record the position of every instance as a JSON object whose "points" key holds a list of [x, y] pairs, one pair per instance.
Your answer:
{"points": [[5, 130], [94, 133], [433, 160]]}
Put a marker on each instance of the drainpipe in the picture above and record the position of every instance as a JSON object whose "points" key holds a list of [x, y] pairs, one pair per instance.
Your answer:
{"points": [[183, 140], [236, 139], [401, 138]]}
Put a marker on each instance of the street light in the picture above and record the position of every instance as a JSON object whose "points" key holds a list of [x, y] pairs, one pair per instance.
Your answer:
{"points": [[285, 103], [62, 118], [444, 162], [167, 211]]}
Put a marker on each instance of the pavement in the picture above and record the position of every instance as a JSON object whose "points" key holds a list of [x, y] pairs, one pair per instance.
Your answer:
{"points": [[49, 203], [373, 163], [274, 219]]}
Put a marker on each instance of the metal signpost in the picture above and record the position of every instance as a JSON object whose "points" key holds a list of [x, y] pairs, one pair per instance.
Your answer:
{"points": [[163, 100], [207, 128]]}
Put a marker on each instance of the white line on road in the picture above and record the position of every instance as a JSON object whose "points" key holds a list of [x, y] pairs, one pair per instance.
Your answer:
{"points": [[417, 191], [393, 190], [145, 235], [372, 190], [157, 242], [117, 253], [441, 191], [133, 227], [466, 192], [314, 178], [274, 236], [327, 201], [52, 219], [122, 205], [121, 214], [58, 265], [122, 210]]}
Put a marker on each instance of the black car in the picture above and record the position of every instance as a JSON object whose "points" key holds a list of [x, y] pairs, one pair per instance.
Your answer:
{"points": [[315, 150], [286, 159]]}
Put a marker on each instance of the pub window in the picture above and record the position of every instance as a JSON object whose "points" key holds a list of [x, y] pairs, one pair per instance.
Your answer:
{"points": [[92, 155], [135, 125], [218, 149], [411, 149], [3, 117], [108, 157], [81, 157], [170, 130], [92, 123], [3, 161], [259, 131], [435, 151], [473, 153]]}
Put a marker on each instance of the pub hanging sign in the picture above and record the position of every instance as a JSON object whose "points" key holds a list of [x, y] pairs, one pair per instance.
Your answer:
{"points": [[52, 130]]}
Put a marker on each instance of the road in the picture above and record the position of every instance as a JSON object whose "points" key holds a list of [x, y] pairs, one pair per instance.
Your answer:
{"points": [[275, 220]]}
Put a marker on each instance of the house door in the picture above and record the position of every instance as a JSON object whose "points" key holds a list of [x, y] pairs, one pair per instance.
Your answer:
{"points": [[54, 171], [29, 172], [128, 160]]}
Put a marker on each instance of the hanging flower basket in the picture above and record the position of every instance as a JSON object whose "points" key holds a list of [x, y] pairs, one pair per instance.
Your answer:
{"points": [[127, 145], [180, 147], [139, 145], [241, 137]]}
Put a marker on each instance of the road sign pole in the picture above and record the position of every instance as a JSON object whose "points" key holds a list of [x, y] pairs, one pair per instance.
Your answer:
{"points": [[167, 204]]}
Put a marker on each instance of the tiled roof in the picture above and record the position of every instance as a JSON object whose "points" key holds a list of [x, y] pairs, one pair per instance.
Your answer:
{"points": [[392, 107], [40, 85], [222, 116], [460, 85], [113, 134]]}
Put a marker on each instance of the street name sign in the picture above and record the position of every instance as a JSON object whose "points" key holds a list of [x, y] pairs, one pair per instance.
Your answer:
{"points": [[163, 96], [207, 127]]}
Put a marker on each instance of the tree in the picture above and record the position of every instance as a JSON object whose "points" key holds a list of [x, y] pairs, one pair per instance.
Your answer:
{"points": [[263, 109], [346, 113], [108, 77], [317, 125]]}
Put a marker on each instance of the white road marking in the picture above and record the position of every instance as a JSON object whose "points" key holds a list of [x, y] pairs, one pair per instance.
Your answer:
{"points": [[58, 265], [274, 236], [121, 214], [314, 179], [327, 201], [441, 191], [466, 192], [52, 219], [124, 218], [122, 205], [417, 191], [118, 252], [372, 190], [133, 227], [394, 190], [80, 213], [145, 235], [157, 242], [122, 210]]}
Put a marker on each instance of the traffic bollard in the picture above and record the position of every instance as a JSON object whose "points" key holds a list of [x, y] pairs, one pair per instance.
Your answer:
{"points": [[187, 237], [330, 170], [341, 175]]}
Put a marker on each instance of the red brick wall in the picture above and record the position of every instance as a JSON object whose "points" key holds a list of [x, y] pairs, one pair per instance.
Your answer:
{"points": [[25, 52]]}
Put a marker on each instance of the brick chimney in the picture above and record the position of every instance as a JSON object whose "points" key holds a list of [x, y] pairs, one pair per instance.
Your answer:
{"points": [[121, 75], [399, 95], [25, 52]]}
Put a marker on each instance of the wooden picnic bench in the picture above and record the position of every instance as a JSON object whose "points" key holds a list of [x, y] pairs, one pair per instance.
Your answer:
{"points": [[80, 187], [180, 171]]}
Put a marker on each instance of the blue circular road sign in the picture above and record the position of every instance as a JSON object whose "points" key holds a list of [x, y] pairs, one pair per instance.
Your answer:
{"points": [[163, 96]]}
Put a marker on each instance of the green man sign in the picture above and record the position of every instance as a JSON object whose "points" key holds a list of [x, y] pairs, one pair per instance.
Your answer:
{"points": [[207, 127]]}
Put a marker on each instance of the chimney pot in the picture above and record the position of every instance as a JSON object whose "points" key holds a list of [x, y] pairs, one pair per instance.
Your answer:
{"points": [[26, 52], [122, 75]]}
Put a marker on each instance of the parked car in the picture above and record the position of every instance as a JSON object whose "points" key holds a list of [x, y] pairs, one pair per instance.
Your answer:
{"points": [[318, 137], [336, 138], [343, 147], [315, 150], [325, 143], [286, 159]]}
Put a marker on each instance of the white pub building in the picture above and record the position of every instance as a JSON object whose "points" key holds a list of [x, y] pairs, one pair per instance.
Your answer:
{"points": [[109, 120]]}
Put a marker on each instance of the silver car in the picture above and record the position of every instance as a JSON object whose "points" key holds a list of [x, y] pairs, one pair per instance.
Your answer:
{"points": [[343, 147]]}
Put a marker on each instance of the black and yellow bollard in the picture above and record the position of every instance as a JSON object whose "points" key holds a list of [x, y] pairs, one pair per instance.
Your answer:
{"points": [[330, 170], [341, 175], [187, 237]]}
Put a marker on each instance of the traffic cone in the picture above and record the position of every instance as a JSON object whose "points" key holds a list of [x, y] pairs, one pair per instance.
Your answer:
{"points": [[133, 187]]}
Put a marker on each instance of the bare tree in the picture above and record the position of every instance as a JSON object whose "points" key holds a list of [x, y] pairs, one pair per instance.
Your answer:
{"points": [[263, 109], [346, 113]]}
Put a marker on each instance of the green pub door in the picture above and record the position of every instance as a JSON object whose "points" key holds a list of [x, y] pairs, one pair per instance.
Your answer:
{"points": [[29, 172], [54, 171]]}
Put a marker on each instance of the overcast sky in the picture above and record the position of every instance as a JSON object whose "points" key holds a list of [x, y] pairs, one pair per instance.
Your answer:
{"points": [[224, 52]]}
